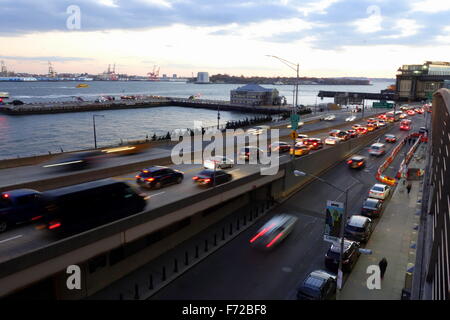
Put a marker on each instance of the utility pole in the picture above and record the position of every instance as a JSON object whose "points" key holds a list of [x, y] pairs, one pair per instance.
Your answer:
{"points": [[95, 132]]}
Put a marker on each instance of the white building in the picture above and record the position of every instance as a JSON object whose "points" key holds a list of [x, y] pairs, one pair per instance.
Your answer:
{"points": [[202, 77]]}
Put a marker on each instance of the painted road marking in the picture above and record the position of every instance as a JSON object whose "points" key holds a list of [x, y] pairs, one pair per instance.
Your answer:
{"points": [[152, 195], [13, 238], [233, 170]]}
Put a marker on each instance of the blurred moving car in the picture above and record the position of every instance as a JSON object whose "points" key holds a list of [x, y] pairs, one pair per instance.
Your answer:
{"points": [[274, 231], [318, 285], [358, 228], [377, 149], [403, 116], [350, 257], [372, 208], [300, 150], [405, 125], [356, 162], [127, 150], [352, 133], [356, 126], [158, 176], [381, 123], [371, 127], [332, 140], [78, 161], [250, 153], [379, 191], [20, 206], [313, 143], [361, 130], [80, 207], [390, 138], [258, 130], [210, 177], [218, 162], [280, 146]]}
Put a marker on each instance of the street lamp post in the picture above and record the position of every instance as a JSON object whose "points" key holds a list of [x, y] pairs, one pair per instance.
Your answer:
{"points": [[95, 132], [344, 219], [218, 117]]}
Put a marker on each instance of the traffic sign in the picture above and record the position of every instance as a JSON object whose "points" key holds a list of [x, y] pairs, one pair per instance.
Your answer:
{"points": [[295, 118], [293, 135]]}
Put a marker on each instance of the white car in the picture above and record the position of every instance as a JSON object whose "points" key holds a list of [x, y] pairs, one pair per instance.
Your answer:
{"points": [[218, 162], [301, 137], [379, 191], [377, 149], [274, 231], [258, 130], [350, 119], [331, 117], [289, 126], [381, 123], [332, 140]]}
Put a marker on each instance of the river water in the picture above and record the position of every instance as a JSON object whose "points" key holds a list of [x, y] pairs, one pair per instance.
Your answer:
{"points": [[38, 134]]}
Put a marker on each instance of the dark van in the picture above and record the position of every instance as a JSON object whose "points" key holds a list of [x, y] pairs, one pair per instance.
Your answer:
{"points": [[20, 206], [88, 205]]}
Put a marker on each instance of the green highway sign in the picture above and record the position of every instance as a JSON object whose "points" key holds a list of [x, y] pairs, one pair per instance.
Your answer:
{"points": [[295, 118]]}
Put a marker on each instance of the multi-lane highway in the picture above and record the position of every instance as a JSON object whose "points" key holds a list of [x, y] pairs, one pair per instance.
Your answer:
{"points": [[26, 238], [237, 271]]}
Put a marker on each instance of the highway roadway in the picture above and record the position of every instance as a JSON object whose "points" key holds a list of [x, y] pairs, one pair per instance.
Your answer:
{"points": [[27, 174], [239, 272], [18, 241]]}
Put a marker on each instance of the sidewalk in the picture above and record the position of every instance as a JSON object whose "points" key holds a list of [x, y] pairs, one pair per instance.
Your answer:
{"points": [[394, 237]]}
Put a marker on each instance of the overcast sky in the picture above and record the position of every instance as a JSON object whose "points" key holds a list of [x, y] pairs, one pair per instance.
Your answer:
{"points": [[326, 37]]}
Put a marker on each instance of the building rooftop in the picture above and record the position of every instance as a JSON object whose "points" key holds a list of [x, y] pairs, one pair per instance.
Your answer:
{"points": [[253, 87]]}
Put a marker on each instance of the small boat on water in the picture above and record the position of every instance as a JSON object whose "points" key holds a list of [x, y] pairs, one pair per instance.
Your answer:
{"points": [[4, 95], [82, 85]]}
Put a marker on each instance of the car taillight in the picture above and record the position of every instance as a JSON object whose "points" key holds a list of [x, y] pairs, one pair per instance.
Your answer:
{"points": [[36, 218], [274, 240], [137, 177], [349, 161], [150, 179], [360, 163], [263, 231], [315, 143], [54, 224], [194, 178], [207, 180], [5, 195]]}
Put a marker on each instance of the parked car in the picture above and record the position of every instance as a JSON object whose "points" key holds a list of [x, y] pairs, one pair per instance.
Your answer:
{"points": [[318, 285], [350, 257], [356, 162], [358, 228], [372, 208], [218, 162], [210, 177], [274, 231], [158, 176], [20, 206], [379, 191]]}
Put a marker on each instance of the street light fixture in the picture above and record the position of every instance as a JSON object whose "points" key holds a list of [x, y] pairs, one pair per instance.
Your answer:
{"points": [[298, 173], [95, 132], [295, 67]]}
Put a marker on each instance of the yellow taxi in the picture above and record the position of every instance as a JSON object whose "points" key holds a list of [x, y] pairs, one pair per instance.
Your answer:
{"points": [[300, 150], [371, 127]]}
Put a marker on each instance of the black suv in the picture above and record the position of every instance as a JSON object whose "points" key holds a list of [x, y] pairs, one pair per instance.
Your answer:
{"points": [[20, 206], [358, 228], [351, 254], [211, 177], [318, 285], [158, 176]]}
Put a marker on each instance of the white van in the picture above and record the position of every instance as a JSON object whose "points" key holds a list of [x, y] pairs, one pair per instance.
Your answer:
{"points": [[377, 149]]}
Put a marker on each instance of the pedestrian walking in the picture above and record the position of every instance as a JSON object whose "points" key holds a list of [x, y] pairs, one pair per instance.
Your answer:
{"points": [[383, 265], [408, 187]]}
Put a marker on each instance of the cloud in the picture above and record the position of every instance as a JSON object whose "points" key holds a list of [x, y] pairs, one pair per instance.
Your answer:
{"points": [[326, 24]]}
